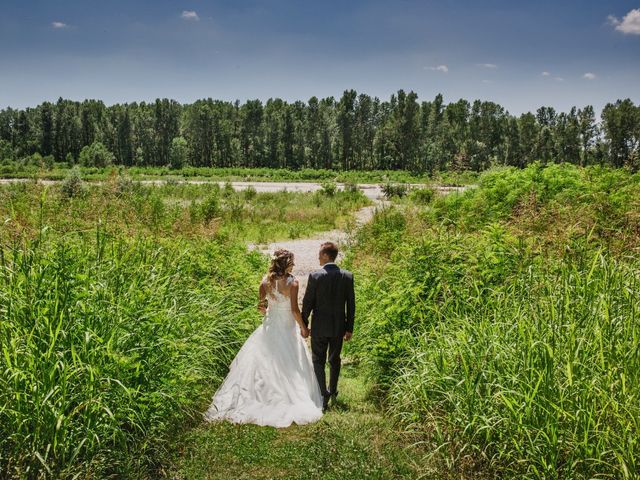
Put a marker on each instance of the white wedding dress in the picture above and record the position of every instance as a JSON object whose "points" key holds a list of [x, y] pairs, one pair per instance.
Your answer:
{"points": [[271, 379]]}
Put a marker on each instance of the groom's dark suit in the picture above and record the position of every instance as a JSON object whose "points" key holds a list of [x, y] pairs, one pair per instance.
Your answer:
{"points": [[330, 298]]}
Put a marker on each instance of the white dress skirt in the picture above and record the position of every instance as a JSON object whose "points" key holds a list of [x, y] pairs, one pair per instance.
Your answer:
{"points": [[271, 380]]}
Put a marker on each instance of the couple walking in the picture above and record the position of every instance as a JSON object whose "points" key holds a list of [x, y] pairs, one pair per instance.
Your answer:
{"points": [[274, 379]]}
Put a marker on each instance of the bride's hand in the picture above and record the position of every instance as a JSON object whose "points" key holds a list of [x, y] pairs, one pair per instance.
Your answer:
{"points": [[304, 332]]}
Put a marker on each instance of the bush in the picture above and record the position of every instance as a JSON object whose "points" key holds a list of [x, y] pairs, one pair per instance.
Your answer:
{"points": [[328, 188], [421, 196], [116, 343], [250, 193], [391, 190], [72, 185], [499, 325], [210, 208], [179, 153], [96, 155]]}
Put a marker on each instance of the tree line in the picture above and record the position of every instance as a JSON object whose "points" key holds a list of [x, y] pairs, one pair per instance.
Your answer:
{"points": [[354, 132]]}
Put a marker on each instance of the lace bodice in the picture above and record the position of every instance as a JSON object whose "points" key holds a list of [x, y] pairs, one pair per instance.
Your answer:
{"points": [[277, 299]]}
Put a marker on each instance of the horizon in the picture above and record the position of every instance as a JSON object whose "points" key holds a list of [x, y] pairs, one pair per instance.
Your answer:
{"points": [[521, 57]]}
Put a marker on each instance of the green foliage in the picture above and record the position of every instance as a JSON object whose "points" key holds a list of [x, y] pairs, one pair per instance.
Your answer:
{"points": [[96, 155], [178, 156], [355, 132], [421, 196], [6, 151], [210, 207], [532, 193], [115, 339], [73, 186], [391, 190], [329, 188], [250, 193], [503, 323]]}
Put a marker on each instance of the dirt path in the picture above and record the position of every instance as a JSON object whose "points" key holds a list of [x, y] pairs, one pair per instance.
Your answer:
{"points": [[305, 250], [354, 440]]}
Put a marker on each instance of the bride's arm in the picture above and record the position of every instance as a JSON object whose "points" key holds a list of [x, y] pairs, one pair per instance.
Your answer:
{"points": [[262, 298], [296, 309]]}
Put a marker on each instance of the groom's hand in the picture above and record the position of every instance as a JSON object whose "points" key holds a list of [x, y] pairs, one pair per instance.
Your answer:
{"points": [[347, 336]]}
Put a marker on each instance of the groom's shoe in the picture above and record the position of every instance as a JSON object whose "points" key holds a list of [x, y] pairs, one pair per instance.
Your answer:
{"points": [[325, 403], [333, 398]]}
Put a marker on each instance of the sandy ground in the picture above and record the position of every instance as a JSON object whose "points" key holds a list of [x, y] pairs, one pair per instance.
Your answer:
{"points": [[306, 250]]}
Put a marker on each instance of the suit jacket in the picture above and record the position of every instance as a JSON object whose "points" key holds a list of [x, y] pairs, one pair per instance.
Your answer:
{"points": [[330, 299]]}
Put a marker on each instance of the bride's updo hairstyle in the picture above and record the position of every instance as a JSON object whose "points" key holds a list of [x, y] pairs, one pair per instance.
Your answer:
{"points": [[280, 261]]}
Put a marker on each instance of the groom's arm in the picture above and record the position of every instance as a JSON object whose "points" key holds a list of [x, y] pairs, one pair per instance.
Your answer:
{"points": [[351, 304], [309, 299]]}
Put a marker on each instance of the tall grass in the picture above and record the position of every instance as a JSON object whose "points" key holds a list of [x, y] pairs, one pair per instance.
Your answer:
{"points": [[510, 345], [121, 307], [110, 344], [118, 318]]}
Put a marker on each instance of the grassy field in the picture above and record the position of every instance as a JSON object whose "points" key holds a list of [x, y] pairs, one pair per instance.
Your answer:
{"points": [[125, 206], [502, 325], [121, 306], [496, 333]]}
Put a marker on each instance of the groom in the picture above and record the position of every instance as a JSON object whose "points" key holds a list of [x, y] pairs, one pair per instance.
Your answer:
{"points": [[330, 297]]}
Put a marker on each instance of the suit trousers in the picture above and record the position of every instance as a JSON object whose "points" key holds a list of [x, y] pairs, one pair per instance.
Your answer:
{"points": [[319, 346]]}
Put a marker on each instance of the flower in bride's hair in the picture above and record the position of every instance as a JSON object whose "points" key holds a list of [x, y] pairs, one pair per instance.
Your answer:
{"points": [[274, 257]]}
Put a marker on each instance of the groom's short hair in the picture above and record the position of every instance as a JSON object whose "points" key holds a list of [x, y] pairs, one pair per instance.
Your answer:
{"points": [[331, 249]]}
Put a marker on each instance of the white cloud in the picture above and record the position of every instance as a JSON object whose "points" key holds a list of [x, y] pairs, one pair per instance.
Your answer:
{"points": [[589, 76], [559, 79], [190, 15], [630, 23], [487, 65], [546, 74], [59, 25], [439, 68]]}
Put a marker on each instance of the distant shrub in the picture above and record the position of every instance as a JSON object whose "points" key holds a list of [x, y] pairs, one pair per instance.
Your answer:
{"points": [[210, 208], [250, 193], [228, 189], [234, 207], [391, 190], [351, 187], [178, 154], [96, 155], [295, 230], [72, 185], [422, 196], [125, 185], [329, 188]]}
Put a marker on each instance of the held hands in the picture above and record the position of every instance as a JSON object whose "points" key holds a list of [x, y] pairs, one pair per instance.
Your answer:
{"points": [[304, 332], [347, 336]]}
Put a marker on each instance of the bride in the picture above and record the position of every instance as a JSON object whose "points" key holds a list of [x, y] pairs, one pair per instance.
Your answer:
{"points": [[271, 380]]}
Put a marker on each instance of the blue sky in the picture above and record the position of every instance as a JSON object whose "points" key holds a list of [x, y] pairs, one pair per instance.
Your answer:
{"points": [[519, 54]]}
